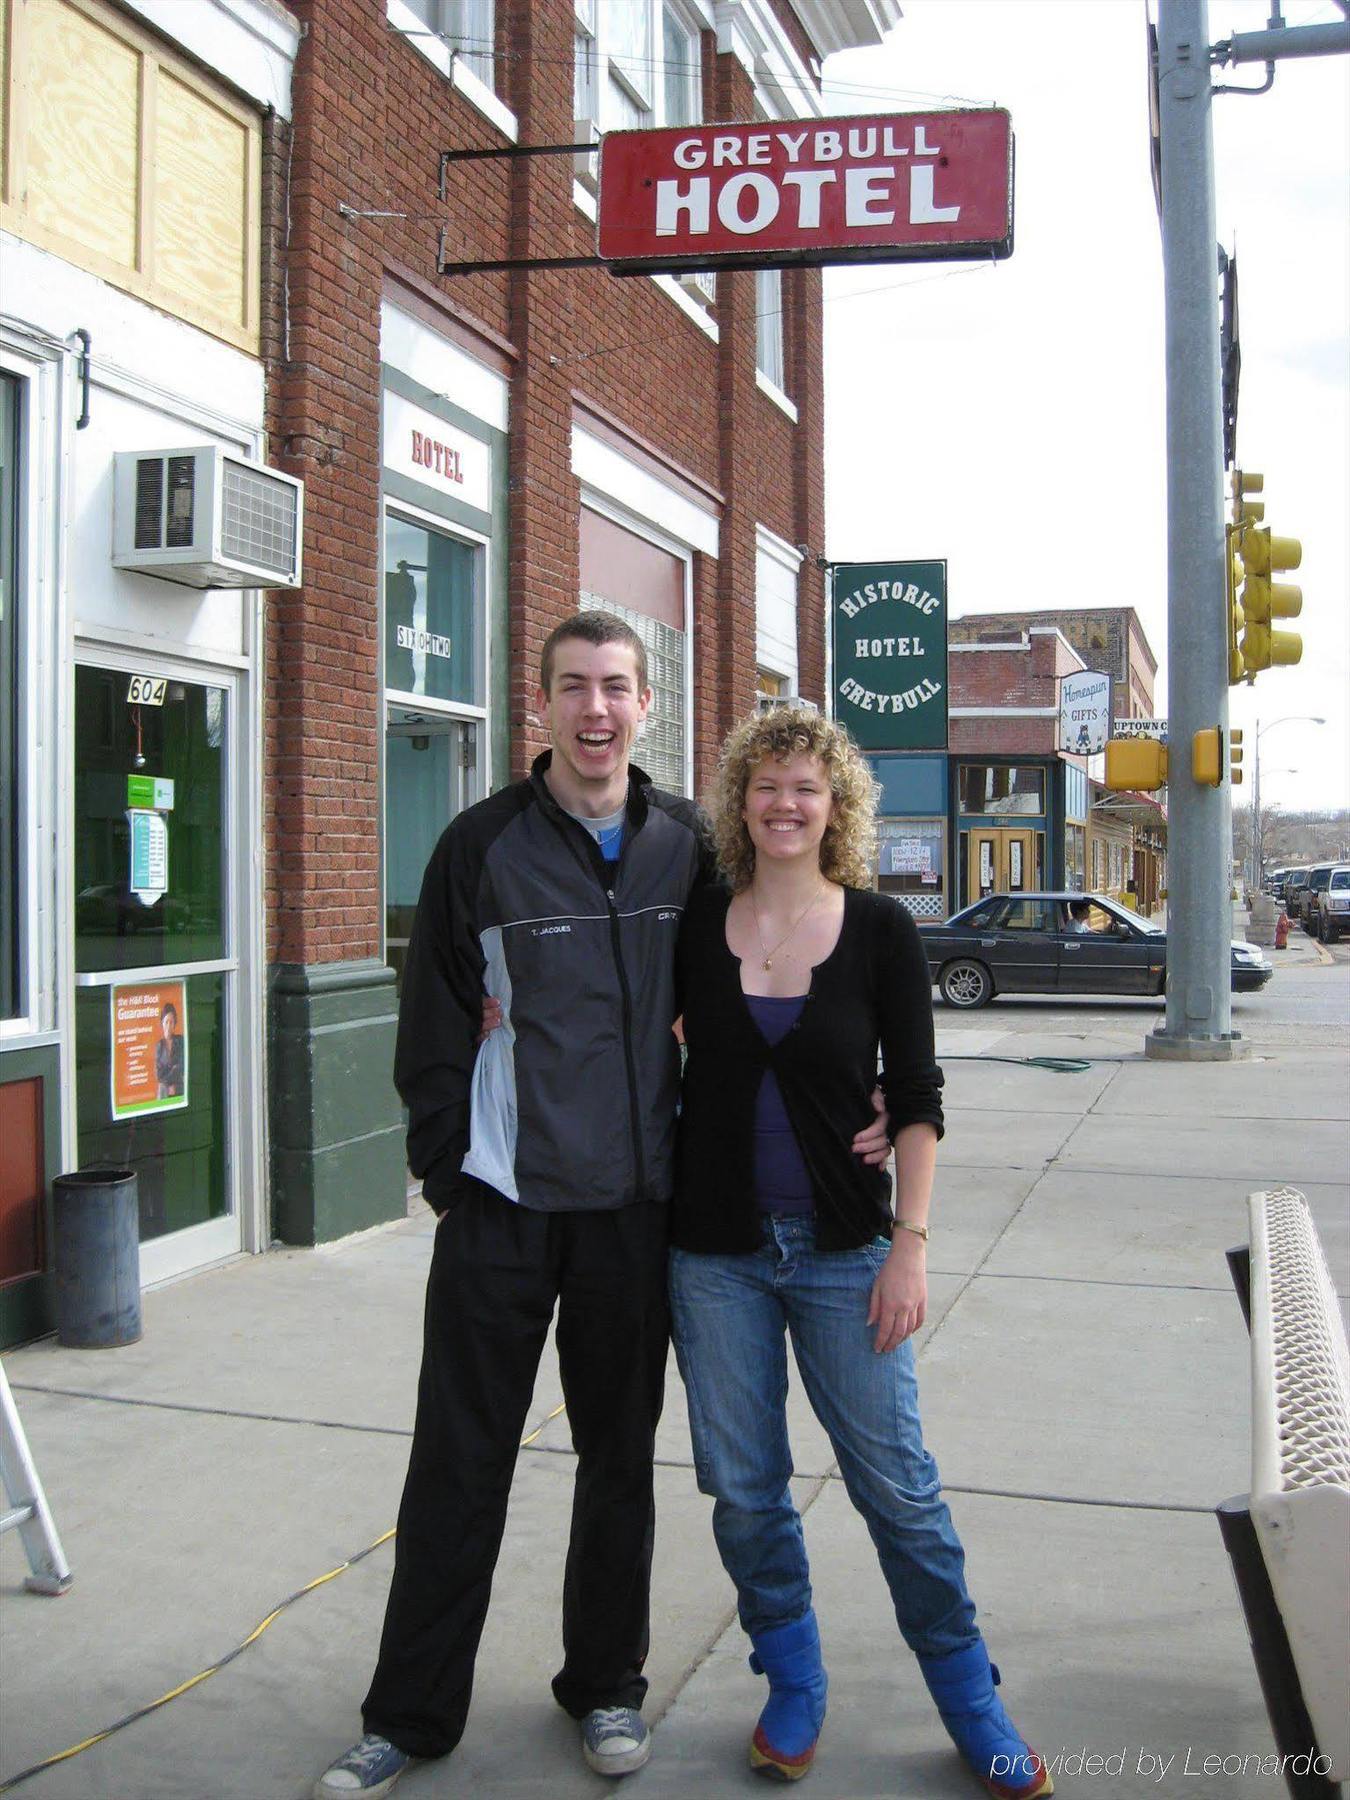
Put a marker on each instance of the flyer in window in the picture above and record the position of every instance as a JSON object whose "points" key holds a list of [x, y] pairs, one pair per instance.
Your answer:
{"points": [[148, 1032]]}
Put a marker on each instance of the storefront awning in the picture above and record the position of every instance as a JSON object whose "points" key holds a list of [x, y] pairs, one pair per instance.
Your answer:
{"points": [[1141, 811]]}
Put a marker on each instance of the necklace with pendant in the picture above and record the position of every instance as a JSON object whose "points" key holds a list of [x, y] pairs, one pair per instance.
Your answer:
{"points": [[769, 953]]}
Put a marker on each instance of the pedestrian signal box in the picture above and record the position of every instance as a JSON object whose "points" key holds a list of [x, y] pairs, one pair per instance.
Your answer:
{"points": [[1136, 765], [1207, 757]]}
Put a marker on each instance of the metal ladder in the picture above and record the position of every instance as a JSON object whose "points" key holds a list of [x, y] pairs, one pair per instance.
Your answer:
{"points": [[27, 1504]]}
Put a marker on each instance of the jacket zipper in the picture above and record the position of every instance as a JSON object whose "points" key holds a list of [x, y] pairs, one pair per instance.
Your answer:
{"points": [[635, 1117], [595, 863]]}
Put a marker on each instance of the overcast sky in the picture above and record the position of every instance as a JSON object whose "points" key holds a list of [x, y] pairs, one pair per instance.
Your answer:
{"points": [[1010, 418]]}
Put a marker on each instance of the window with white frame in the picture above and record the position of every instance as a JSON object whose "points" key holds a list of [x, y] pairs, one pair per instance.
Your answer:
{"points": [[585, 101], [645, 584], [681, 77], [636, 64], [466, 25], [769, 357]]}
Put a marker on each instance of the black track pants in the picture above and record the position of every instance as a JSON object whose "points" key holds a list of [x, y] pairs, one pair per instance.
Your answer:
{"points": [[497, 1272]]}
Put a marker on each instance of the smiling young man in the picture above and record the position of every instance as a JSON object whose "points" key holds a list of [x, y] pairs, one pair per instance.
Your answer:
{"points": [[547, 1152]]}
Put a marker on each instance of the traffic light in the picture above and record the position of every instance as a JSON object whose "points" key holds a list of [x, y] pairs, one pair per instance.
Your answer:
{"points": [[1246, 512], [1232, 575], [1234, 756], [1264, 600], [1136, 765]]}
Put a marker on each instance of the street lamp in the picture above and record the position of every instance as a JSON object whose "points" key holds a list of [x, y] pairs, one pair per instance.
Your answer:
{"points": [[1257, 735]]}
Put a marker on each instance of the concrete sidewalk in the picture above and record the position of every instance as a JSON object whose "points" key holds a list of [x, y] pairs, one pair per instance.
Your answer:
{"points": [[1084, 1374]]}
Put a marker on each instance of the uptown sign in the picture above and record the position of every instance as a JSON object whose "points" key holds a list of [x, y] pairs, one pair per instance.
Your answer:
{"points": [[895, 188]]}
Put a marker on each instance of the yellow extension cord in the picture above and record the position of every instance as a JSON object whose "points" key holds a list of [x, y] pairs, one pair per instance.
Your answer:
{"points": [[141, 1712]]}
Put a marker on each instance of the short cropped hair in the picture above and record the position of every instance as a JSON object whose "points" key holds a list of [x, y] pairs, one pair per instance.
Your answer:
{"points": [[592, 628], [848, 849]]}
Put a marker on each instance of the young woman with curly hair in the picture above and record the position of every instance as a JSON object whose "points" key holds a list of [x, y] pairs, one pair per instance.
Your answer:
{"points": [[794, 977]]}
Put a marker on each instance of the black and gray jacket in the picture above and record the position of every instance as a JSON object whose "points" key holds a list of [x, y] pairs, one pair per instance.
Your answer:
{"points": [[570, 1104]]}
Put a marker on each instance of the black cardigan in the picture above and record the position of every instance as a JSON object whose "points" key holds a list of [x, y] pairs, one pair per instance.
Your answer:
{"points": [[873, 989]]}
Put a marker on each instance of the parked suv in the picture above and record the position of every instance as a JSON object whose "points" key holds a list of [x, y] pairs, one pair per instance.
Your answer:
{"points": [[1326, 911], [1318, 877], [1295, 886]]}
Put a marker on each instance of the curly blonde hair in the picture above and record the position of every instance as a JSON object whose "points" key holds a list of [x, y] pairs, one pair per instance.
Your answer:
{"points": [[847, 851]]}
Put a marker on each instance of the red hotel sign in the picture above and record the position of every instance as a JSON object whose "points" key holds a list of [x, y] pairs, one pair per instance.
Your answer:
{"points": [[897, 187]]}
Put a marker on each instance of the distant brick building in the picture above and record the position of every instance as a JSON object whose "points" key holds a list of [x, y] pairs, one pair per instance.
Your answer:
{"points": [[1109, 638], [1004, 808]]}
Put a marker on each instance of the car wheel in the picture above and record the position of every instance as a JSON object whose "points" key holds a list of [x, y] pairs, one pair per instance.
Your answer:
{"points": [[965, 983], [1321, 929]]}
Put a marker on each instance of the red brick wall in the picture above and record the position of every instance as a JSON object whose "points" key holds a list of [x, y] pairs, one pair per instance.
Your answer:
{"points": [[371, 117], [1004, 677]]}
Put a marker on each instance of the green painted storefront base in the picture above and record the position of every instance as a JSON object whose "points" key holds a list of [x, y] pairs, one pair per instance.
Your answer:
{"points": [[336, 1123]]}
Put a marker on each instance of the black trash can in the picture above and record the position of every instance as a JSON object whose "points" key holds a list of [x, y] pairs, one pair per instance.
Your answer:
{"points": [[97, 1257]]}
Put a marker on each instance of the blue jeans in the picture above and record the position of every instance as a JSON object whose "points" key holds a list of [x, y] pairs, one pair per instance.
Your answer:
{"points": [[728, 1315]]}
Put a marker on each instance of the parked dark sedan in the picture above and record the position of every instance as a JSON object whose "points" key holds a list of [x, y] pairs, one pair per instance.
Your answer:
{"points": [[1058, 944]]}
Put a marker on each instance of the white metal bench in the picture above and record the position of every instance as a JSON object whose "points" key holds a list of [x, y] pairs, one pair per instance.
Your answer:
{"points": [[1289, 1539]]}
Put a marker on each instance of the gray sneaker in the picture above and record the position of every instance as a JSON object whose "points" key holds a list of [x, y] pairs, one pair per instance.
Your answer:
{"points": [[368, 1770], [614, 1740]]}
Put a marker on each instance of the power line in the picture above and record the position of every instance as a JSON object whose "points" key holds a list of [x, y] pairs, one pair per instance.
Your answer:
{"points": [[485, 48]]}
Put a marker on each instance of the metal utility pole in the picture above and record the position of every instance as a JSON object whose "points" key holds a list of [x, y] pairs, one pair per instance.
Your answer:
{"points": [[1199, 862]]}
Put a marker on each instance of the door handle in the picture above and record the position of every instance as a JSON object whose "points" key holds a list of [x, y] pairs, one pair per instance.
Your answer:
{"points": [[1073, 946]]}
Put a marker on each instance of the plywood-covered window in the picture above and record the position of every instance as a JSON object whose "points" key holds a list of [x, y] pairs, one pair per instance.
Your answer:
{"points": [[120, 157]]}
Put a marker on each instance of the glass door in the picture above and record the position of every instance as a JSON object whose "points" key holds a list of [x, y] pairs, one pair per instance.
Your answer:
{"points": [[156, 971], [1002, 860], [431, 773]]}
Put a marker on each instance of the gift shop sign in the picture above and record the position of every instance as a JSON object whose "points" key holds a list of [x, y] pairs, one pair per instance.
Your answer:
{"points": [[1084, 712], [899, 187], [890, 653]]}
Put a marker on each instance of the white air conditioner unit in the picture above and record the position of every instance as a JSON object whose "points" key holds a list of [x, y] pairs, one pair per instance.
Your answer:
{"points": [[700, 285], [207, 518], [585, 131]]}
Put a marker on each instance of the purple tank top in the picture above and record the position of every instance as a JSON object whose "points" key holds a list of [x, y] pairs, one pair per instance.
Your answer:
{"points": [[782, 1184]]}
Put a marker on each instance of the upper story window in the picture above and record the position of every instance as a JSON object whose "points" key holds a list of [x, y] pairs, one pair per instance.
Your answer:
{"points": [[146, 173], [466, 25], [636, 64], [769, 357]]}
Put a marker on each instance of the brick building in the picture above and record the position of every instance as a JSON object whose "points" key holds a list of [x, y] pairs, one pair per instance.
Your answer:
{"points": [[218, 800], [483, 452], [1108, 638]]}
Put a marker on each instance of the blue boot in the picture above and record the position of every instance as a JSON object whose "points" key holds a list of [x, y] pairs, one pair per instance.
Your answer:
{"points": [[785, 1738], [963, 1686]]}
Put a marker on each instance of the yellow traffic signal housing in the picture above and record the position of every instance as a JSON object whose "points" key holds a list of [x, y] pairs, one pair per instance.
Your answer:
{"points": [[1264, 600], [1136, 765], [1207, 756], [1232, 575], [1235, 756], [1245, 511]]}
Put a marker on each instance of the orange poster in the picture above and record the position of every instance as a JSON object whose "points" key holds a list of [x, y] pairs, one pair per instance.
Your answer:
{"points": [[148, 1032]]}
